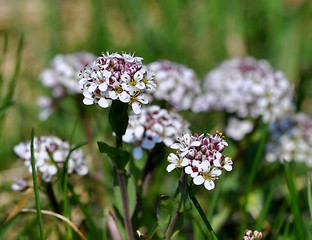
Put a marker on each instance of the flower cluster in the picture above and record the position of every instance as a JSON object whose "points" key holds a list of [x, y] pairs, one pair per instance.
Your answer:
{"points": [[201, 157], [50, 155], [153, 125], [176, 84], [291, 139], [62, 78], [116, 77], [248, 88], [252, 235], [238, 128]]}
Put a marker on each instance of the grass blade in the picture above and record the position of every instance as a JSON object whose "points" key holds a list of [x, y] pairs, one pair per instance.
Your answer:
{"points": [[36, 189], [294, 202], [310, 193]]}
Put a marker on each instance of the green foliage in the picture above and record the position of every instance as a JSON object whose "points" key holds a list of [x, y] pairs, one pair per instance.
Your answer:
{"points": [[200, 34]]}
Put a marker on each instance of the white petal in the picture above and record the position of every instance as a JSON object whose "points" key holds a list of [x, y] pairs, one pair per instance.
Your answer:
{"points": [[228, 167], [137, 152], [173, 158], [142, 99], [104, 103], [170, 167], [198, 180], [88, 101], [138, 76], [103, 86], [184, 162], [124, 97], [92, 88], [140, 85], [209, 184], [136, 107], [175, 146], [188, 170], [148, 143], [125, 77], [113, 95]]}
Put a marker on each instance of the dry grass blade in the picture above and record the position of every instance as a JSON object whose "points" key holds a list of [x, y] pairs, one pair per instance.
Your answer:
{"points": [[59, 216], [20, 204]]}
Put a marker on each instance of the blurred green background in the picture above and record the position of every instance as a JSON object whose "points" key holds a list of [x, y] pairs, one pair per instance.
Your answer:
{"points": [[198, 33]]}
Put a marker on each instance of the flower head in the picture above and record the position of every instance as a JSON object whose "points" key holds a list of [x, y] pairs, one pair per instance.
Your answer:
{"points": [[201, 156], [62, 77], [176, 84], [248, 88], [252, 235], [290, 139], [116, 76], [153, 125], [50, 156]]}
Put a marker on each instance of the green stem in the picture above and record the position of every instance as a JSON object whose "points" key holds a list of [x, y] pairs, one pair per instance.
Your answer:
{"points": [[36, 190], [52, 198], [204, 218], [183, 189], [123, 190]]}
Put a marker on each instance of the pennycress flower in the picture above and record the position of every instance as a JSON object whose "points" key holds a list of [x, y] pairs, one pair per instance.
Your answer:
{"points": [[201, 156], [50, 155], [247, 87], [115, 76], [252, 235], [151, 126], [290, 139], [62, 78], [176, 83]]}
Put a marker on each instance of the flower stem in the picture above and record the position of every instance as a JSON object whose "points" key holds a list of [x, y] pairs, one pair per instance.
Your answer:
{"points": [[204, 218], [52, 198], [123, 190]]}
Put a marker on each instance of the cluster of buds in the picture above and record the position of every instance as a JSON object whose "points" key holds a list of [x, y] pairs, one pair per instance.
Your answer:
{"points": [[50, 155], [153, 125], [201, 157], [290, 139], [252, 235], [116, 77], [248, 88], [62, 78], [176, 84]]}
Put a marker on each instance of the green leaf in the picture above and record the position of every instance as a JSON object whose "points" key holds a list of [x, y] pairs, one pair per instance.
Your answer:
{"points": [[118, 117], [119, 157], [166, 208]]}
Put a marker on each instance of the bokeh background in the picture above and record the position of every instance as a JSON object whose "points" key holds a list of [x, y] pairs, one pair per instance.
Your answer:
{"points": [[200, 34]]}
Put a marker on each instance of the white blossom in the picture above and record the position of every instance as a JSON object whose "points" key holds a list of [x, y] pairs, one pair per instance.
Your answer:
{"points": [[50, 154]]}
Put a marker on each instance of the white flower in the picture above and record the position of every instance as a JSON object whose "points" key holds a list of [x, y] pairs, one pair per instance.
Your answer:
{"points": [[176, 162], [237, 129], [116, 77], [62, 77], [176, 83], [290, 139], [151, 126], [247, 88], [50, 155], [202, 157]]}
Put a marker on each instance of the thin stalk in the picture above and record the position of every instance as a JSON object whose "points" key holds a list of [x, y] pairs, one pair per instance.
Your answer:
{"points": [[124, 197], [204, 218], [183, 189], [36, 189], [52, 198], [309, 188]]}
